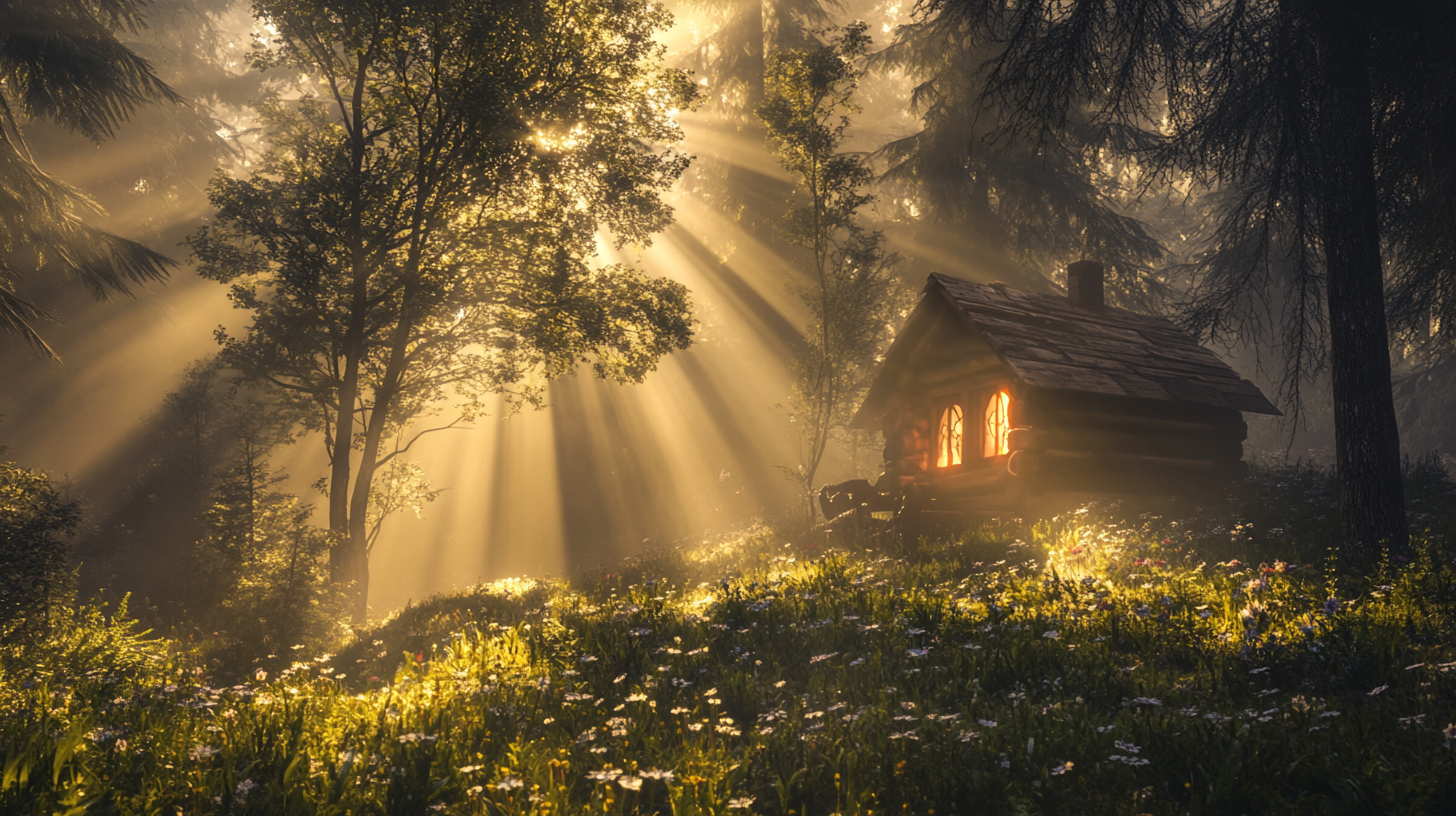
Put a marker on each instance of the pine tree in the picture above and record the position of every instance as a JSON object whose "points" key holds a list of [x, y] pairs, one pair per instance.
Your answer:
{"points": [[1014, 207], [61, 61], [1288, 110]]}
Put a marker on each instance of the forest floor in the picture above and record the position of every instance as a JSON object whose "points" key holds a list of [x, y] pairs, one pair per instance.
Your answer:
{"points": [[1224, 662]]}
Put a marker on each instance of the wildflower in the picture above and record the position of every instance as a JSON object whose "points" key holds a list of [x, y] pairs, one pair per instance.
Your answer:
{"points": [[822, 658], [509, 783], [1145, 701], [857, 661], [1128, 760], [588, 659], [1332, 605], [741, 803], [1062, 768], [471, 768], [1127, 746], [631, 783], [604, 775], [245, 787], [1376, 691], [261, 675], [695, 726], [636, 698], [201, 752], [987, 723], [1053, 634], [654, 773], [917, 652], [1449, 732]]}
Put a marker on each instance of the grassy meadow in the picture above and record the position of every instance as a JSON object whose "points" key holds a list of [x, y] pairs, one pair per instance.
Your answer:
{"points": [[1113, 660]]}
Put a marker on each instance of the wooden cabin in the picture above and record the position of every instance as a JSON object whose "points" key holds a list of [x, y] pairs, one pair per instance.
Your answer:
{"points": [[991, 397]]}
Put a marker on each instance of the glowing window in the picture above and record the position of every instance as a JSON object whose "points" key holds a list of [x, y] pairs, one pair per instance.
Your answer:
{"points": [[952, 423], [998, 425]]}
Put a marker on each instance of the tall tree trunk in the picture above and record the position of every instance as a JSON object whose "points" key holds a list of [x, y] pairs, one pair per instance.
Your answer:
{"points": [[1367, 442], [346, 555], [753, 47], [358, 540]]}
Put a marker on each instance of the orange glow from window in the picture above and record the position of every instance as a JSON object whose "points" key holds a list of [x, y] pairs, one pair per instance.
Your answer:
{"points": [[998, 425], [951, 424]]}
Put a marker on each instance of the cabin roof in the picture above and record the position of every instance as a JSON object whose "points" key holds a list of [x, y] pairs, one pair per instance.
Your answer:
{"points": [[1051, 342]]}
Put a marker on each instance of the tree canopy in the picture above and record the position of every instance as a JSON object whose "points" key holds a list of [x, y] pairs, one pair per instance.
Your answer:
{"points": [[425, 220]]}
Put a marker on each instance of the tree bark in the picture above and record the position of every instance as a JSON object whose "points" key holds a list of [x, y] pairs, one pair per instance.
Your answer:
{"points": [[753, 48], [347, 562], [1367, 442]]}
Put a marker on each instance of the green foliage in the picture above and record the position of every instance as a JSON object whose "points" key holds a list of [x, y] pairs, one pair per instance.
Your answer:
{"points": [[35, 565], [1083, 665], [261, 568], [63, 62], [852, 293], [424, 221], [1019, 206]]}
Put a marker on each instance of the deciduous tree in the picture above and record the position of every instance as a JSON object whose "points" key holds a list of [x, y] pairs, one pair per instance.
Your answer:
{"points": [[853, 295], [425, 220]]}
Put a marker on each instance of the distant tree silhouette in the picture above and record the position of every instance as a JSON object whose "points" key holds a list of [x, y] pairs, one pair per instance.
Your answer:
{"points": [[1019, 207]]}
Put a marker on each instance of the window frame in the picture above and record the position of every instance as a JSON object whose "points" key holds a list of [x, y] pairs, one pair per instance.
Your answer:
{"points": [[986, 396], [938, 406]]}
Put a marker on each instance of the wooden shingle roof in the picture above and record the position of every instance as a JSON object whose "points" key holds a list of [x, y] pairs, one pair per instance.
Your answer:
{"points": [[1052, 342]]}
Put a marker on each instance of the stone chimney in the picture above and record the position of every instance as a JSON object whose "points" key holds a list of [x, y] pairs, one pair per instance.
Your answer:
{"points": [[1084, 284]]}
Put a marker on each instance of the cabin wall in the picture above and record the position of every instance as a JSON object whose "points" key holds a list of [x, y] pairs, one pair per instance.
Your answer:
{"points": [[1060, 442], [911, 426], [1081, 442]]}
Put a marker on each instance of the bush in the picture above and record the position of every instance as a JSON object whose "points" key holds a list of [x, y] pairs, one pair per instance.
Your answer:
{"points": [[35, 573]]}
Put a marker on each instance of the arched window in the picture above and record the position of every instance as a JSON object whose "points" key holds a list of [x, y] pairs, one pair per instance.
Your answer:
{"points": [[997, 435], [948, 439]]}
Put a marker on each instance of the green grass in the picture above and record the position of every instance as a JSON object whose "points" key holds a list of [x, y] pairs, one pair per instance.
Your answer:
{"points": [[1073, 667]]}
